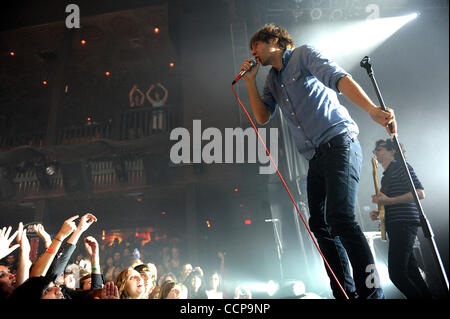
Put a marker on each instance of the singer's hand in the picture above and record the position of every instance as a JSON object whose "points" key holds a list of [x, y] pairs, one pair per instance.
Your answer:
{"points": [[384, 118], [251, 71]]}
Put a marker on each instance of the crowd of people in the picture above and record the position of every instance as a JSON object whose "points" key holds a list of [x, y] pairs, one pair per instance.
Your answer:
{"points": [[100, 271]]}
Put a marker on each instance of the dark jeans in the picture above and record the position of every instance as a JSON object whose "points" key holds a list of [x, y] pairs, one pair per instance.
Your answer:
{"points": [[402, 264], [333, 179]]}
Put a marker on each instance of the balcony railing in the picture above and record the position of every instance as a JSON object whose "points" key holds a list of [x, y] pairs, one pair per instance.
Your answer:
{"points": [[132, 124], [103, 175]]}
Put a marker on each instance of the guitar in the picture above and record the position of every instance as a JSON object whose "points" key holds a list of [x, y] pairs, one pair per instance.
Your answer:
{"points": [[380, 207]]}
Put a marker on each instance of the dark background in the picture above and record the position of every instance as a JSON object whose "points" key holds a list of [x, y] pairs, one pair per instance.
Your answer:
{"points": [[411, 68]]}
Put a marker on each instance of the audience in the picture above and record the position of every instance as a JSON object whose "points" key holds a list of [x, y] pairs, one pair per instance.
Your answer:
{"points": [[185, 271], [194, 284], [157, 101], [99, 271], [215, 286], [149, 274], [136, 97], [109, 268], [173, 290], [130, 284]]}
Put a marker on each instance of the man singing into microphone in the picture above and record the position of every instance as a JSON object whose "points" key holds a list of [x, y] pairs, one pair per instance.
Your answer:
{"points": [[303, 84]]}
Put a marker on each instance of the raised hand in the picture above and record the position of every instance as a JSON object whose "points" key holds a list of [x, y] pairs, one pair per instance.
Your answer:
{"points": [[199, 270], [67, 228], [39, 229], [110, 291], [24, 262], [86, 221], [91, 245], [6, 240], [23, 241]]}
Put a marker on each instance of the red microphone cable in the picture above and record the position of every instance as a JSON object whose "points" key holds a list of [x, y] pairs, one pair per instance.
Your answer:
{"points": [[290, 195]]}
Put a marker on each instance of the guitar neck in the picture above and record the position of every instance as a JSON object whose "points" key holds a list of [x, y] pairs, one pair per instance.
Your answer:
{"points": [[375, 177]]}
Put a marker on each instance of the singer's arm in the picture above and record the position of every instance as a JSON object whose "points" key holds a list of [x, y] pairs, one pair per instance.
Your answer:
{"points": [[357, 96], [262, 114]]}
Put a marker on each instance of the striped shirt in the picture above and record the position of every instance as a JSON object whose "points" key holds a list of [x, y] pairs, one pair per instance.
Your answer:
{"points": [[395, 183]]}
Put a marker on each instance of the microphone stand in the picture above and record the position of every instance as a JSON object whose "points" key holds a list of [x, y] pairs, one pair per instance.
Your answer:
{"points": [[426, 227]]}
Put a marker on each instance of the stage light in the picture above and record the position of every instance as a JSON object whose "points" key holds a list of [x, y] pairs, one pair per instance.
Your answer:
{"points": [[271, 287], [50, 170], [412, 16], [261, 287], [298, 288], [350, 39], [290, 289]]}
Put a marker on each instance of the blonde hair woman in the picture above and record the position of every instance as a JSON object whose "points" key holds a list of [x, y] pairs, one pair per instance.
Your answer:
{"points": [[130, 284]]}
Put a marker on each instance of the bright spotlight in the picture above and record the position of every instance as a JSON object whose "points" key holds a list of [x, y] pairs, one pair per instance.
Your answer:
{"points": [[348, 38], [271, 288], [412, 16], [298, 288], [50, 170]]}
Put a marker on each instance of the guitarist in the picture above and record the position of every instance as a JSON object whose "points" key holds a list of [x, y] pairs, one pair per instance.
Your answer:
{"points": [[402, 220]]}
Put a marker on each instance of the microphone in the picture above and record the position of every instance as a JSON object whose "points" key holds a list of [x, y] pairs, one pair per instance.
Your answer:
{"points": [[241, 74], [271, 220]]}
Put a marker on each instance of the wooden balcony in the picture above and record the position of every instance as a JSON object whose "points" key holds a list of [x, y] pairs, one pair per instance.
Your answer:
{"points": [[132, 124], [93, 157]]}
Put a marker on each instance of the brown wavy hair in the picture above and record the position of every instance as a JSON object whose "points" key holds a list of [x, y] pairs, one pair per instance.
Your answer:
{"points": [[167, 287], [121, 282], [272, 31], [390, 146]]}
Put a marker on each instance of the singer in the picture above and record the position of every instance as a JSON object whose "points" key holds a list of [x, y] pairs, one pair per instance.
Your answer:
{"points": [[303, 84]]}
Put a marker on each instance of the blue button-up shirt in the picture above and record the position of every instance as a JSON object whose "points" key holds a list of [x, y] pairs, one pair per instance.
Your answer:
{"points": [[305, 89]]}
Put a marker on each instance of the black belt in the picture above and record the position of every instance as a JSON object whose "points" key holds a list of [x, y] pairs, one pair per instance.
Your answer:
{"points": [[338, 140]]}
